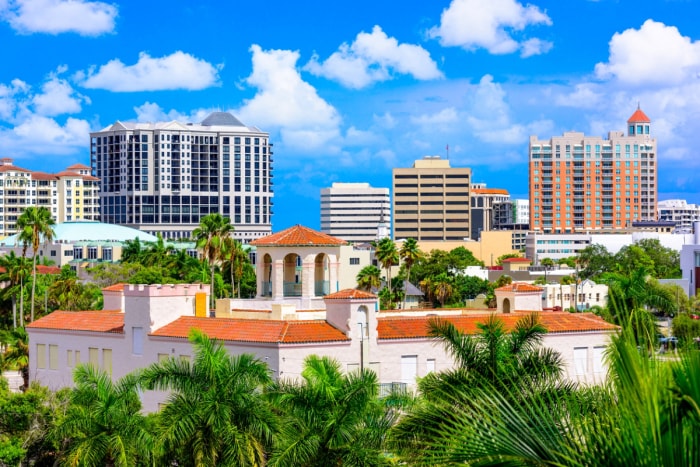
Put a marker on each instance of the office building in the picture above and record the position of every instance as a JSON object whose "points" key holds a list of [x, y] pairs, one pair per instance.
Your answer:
{"points": [[164, 177], [70, 195], [483, 200], [354, 211], [431, 201], [580, 183], [680, 213]]}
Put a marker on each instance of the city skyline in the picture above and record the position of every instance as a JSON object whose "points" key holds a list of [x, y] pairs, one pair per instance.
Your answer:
{"points": [[350, 91]]}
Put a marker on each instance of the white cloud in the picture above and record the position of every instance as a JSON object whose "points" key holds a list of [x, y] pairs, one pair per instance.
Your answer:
{"points": [[287, 102], [176, 71], [489, 116], [534, 46], [584, 96], [444, 117], [355, 137], [59, 16], [57, 97], [45, 136], [490, 24], [386, 120], [374, 57], [655, 54], [8, 97]]}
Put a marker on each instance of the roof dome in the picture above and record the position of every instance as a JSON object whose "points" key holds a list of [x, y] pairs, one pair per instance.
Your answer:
{"points": [[221, 119]]}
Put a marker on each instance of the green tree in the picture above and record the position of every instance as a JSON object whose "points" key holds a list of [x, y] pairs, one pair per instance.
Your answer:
{"points": [[369, 278], [595, 260], [210, 237], [667, 262], [442, 288], [132, 251], [331, 418], [388, 256], [629, 297], [103, 424], [68, 293], [236, 258], [409, 254], [459, 258], [35, 226], [216, 413], [16, 269], [499, 260], [16, 352]]}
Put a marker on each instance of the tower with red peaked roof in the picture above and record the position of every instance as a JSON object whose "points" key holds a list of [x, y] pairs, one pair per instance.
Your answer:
{"points": [[581, 183]]}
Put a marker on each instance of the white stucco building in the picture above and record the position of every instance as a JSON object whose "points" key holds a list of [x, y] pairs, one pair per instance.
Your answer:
{"points": [[142, 324], [354, 211]]}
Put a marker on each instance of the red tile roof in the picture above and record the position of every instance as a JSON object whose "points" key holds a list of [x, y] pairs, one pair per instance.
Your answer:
{"points": [[43, 176], [115, 287], [520, 287], [96, 321], [13, 168], [490, 191], [251, 330], [298, 235], [555, 322], [41, 269], [639, 116], [78, 166], [516, 260], [351, 294]]}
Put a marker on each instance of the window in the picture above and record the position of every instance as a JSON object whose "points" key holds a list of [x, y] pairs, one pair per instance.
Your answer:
{"points": [[162, 357], [430, 365], [598, 359], [408, 368], [354, 261], [581, 360], [41, 355], [92, 252], [53, 357], [137, 341], [106, 254], [107, 361], [93, 356], [69, 359]]}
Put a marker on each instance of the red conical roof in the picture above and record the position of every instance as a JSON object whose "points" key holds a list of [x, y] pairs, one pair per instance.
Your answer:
{"points": [[639, 117]]}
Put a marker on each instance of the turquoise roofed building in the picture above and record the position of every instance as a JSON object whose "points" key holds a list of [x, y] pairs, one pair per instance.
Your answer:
{"points": [[82, 243]]}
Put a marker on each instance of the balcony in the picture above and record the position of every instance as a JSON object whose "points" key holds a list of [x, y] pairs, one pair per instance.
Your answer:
{"points": [[322, 288], [292, 289]]}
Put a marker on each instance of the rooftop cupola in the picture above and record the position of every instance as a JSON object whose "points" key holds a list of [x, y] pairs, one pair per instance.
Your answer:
{"points": [[638, 124]]}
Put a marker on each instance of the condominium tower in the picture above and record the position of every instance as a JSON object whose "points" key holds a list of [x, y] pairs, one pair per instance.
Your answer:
{"points": [[70, 195], [679, 212], [164, 177], [431, 201], [354, 211], [581, 183]]}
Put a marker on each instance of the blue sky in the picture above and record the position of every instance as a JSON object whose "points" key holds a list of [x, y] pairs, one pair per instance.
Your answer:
{"points": [[348, 90]]}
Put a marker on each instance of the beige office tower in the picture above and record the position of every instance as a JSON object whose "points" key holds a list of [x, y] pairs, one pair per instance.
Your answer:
{"points": [[354, 211], [431, 201], [582, 183]]}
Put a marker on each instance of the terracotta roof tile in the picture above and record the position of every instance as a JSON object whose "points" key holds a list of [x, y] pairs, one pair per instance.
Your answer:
{"points": [[12, 168], [350, 294], [520, 287], [43, 176], [555, 322], [298, 235], [115, 287], [250, 330], [516, 260], [97, 321], [490, 191], [41, 269], [78, 166], [639, 116]]}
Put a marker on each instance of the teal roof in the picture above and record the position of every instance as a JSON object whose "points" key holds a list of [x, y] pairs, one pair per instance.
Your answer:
{"points": [[70, 232]]}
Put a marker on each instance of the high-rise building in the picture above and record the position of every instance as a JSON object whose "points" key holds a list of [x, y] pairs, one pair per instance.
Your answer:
{"points": [[482, 203], [431, 201], [164, 177], [581, 183], [70, 195], [354, 211], [679, 212]]}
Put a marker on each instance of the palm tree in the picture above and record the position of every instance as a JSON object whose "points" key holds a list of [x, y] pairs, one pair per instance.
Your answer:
{"points": [[215, 414], [16, 353], [132, 251], [35, 226], [369, 278], [210, 235], [409, 254], [331, 418], [235, 255], [442, 288], [16, 270], [103, 424], [498, 356], [388, 256], [629, 297]]}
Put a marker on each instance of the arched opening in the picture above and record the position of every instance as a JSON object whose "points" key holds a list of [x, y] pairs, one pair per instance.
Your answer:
{"points": [[267, 276], [322, 281], [506, 305], [292, 275]]}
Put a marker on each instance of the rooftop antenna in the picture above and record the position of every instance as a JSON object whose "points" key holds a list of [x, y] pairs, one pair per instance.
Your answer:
{"points": [[447, 151]]}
